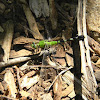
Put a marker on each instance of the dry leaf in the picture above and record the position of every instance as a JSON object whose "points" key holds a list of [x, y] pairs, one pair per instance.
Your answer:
{"points": [[68, 90], [46, 97], [1, 88], [24, 93], [20, 53], [9, 79], [60, 54], [28, 82], [98, 62], [57, 89], [23, 40], [72, 94], [97, 75], [93, 15]]}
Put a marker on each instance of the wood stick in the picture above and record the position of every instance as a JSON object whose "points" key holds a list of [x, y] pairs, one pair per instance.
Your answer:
{"points": [[53, 14], [93, 84], [9, 27], [31, 21], [14, 61], [82, 49], [86, 42]]}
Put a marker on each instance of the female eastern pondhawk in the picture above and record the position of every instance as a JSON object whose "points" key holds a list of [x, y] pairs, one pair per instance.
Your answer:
{"points": [[43, 43], [47, 43]]}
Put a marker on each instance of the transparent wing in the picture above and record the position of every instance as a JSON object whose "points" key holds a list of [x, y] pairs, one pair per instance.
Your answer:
{"points": [[43, 72]]}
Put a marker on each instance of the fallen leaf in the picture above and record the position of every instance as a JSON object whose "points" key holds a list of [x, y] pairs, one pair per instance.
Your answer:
{"points": [[20, 53], [9, 79], [24, 93], [28, 82]]}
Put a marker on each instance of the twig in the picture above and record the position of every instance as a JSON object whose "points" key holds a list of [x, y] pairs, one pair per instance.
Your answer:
{"points": [[14, 61], [40, 66], [47, 89], [82, 49], [86, 43]]}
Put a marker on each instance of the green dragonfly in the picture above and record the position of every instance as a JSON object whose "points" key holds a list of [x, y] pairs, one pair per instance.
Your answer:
{"points": [[43, 43]]}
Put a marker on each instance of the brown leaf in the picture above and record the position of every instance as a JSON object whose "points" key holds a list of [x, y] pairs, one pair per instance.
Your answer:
{"points": [[1, 88], [24, 93], [60, 54], [98, 62], [23, 40], [46, 96], [57, 89], [20, 53], [68, 90], [9, 79], [28, 82]]}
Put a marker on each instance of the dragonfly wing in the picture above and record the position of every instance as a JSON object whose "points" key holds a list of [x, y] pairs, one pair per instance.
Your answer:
{"points": [[43, 73], [48, 51]]}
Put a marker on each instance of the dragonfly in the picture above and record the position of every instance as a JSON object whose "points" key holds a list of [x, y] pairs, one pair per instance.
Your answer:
{"points": [[43, 43], [46, 73]]}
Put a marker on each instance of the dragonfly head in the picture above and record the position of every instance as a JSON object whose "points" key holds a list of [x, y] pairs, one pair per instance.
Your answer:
{"points": [[33, 45]]}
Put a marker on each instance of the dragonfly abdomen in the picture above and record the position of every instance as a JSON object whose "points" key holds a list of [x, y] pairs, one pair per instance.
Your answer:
{"points": [[43, 43], [52, 43]]}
